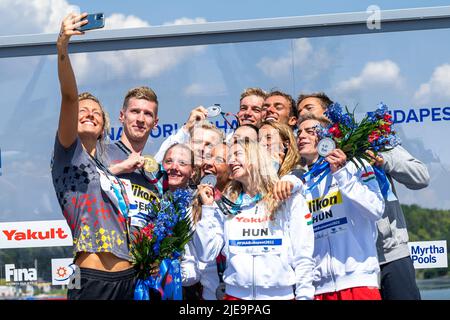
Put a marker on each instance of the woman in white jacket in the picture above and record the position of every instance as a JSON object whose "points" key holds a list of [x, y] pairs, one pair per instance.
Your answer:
{"points": [[268, 245]]}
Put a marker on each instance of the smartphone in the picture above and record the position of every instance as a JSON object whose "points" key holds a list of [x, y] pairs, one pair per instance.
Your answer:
{"points": [[95, 21]]}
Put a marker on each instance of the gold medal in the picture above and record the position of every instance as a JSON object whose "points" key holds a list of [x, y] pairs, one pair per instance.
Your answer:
{"points": [[150, 164]]}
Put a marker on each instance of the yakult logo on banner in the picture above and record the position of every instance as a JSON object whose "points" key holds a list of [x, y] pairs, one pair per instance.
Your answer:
{"points": [[35, 234], [62, 269]]}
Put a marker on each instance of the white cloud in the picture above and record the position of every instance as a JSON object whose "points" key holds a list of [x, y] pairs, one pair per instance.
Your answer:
{"points": [[184, 20], [120, 21], [199, 89], [303, 56], [44, 16], [275, 67], [436, 88], [375, 73], [136, 64], [194, 89], [33, 16]]}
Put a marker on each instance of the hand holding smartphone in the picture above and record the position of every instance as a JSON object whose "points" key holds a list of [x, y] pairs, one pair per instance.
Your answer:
{"points": [[95, 21]]}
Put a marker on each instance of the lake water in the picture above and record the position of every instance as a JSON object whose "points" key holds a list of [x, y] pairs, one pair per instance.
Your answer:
{"points": [[435, 289], [437, 294]]}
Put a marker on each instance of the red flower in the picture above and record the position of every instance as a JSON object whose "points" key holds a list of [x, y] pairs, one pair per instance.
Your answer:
{"points": [[148, 231], [385, 128], [387, 117], [334, 130], [375, 135]]}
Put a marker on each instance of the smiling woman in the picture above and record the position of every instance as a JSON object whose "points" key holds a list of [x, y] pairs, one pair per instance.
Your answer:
{"points": [[179, 164], [268, 245], [98, 224]]}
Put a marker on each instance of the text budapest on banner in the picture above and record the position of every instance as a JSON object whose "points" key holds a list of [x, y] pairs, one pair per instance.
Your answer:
{"points": [[25, 234]]}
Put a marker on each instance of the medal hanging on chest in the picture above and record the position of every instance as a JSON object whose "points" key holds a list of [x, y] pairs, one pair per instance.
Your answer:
{"points": [[152, 167], [229, 207]]}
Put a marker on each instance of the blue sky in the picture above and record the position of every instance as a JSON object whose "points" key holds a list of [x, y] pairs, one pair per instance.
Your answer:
{"points": [[406, 70], [157, 12]]}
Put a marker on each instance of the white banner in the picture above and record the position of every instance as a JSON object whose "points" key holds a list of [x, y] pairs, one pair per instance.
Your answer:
{"points": [[62, 269], [429, 254], [27, 234]]}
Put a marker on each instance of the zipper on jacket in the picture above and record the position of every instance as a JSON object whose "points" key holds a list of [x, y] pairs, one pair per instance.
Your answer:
{"points": [[253, 282], [331, 263]]}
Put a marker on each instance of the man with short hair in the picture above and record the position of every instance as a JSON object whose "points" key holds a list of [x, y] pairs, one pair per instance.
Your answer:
{"points": [[316, 103], [204, 136], [250, 107], [250, 112], [139, 115], [280, 107]]}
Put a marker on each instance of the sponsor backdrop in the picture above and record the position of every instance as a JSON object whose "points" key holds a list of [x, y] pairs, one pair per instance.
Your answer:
{"points": [[35, 234], [412, 80]]}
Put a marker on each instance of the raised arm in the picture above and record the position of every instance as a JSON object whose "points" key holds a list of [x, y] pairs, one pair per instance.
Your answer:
{"points": [[183, 135], [68, 117]]}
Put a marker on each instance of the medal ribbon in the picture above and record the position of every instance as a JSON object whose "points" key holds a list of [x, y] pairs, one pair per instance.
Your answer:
{"points": [[229, 207]]}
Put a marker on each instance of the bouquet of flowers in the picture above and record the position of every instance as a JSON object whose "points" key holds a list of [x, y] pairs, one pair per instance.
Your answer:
{"points": [[359, 141], [159, 245]]}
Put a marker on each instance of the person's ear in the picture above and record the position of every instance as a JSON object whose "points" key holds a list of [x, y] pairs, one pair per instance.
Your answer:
{"points": [[292, 121], [122, 116]]}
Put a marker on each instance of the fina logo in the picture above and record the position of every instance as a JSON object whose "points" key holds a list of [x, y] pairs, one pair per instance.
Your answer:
{"points": [[19, 275]]}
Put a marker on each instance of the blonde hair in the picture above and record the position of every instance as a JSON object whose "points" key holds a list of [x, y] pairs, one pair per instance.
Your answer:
{"points": [[261, 172], [205, 124], [104, 137], [141, 93], [291, 158], [253, 92], [323, 121]]}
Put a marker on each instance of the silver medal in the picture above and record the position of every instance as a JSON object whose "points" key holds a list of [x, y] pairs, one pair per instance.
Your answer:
{"points": [[325, 146], [213, 111], [209, 179]]}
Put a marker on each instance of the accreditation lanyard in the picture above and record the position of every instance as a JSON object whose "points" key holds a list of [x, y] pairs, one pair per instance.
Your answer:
{"points": [[122, 198], [229, 207], [162, 187]]}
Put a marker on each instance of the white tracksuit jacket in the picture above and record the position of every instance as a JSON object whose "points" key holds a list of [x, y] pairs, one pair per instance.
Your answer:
{"points": [[266, 259], [345, 207]]}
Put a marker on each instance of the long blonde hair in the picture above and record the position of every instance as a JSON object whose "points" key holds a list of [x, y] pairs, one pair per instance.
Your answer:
{"points": [[261, 172], [291, 159]]}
